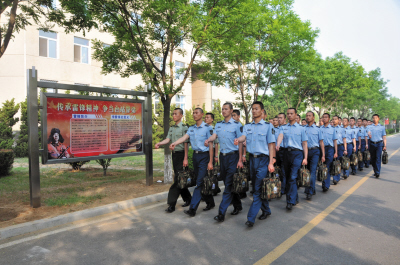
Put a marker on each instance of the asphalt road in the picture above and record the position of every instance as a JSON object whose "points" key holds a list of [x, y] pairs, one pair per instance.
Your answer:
{"points": [[355, 222]]}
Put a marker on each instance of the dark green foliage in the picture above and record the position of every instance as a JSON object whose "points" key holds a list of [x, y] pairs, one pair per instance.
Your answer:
{"points": [[6, 161], [7, 121], [105, 163], [190, 158], [389, 131], [158, 122], [78, 165]]}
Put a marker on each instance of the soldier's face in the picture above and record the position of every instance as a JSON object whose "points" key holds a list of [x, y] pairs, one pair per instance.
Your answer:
{"points": [[235, 117], [339, 121], [208, 119], [352, 122], [309, 117], [176, 115], [257, 111], [365, 123], [303, 122], [325, 119], [297, 119], [292, 116], [226, 111], [281, 119], [335, 121], [56, 137], [359, 123], [271, 121], [275, 122], [375, 119], [197, 115], [345, 123]]}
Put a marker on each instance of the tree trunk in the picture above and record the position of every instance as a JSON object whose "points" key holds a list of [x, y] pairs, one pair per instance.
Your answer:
{"points": [[167, 152], [104, 172]]}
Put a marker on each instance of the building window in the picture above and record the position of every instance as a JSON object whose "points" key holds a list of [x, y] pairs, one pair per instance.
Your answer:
{"points": [[180, 101], [178, 73], [81, 50], [47, 44], [159, 62]]}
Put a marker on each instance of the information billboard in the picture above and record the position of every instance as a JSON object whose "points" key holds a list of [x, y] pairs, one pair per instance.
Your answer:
{"points": [[79, 128]]}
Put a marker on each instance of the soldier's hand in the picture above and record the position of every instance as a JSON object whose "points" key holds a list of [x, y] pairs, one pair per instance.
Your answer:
{"points": [[277, 148], [366, 147], [323, 159], [210, 166], [274, 160], [345, 152], [157, 145], [240, 164], [206, 143], [185, 163], [216, 159], [384, 148], [271, 167], [243, 159], [354, 149], [335, 155], [236, 142], [304, 162], [244, 143], [172, 147]]}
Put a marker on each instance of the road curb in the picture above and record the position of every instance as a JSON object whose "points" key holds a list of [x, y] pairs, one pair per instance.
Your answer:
{"points": [[34, 226]]}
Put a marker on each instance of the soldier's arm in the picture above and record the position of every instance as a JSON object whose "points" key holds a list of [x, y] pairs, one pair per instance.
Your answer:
{"points": [[185, 159], [241, 139], [210, 163], [305, 152], [335, 145], [279, 141], [210, 139], [163, 142], [384, 142], [345, 144], [179, 141]]}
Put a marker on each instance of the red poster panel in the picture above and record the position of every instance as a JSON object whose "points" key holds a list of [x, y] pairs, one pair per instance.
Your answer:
{"points": [[92, 127]]}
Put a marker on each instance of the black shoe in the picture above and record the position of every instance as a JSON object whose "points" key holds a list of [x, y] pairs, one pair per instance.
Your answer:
{"points": [[187, 203], [366, 166], [249, 224], [209, 207], [345, 177], [360, 169], [220, 218], [353, 173], [251, 192], [215, 194], [170, 209], [243, 195], [335, 182], [325, 189], [190, 212], [377, 175], [289, 206], [236, 210], [309, 197], [264, 215]]}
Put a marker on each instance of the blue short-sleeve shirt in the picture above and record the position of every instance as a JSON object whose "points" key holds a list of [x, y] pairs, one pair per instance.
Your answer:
{"points": [[314, 134], [227, 132], [340, 134], [349, 134], [329, 134], [198, 135], [293, 135], [258, 136], [361, 132], [377, 132]]}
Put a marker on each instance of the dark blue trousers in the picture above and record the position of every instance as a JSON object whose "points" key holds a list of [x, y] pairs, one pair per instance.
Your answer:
{"points": [[258, 170], [376, 155], [349, 153], [200, 162], [228, 168], [329, 152], [279, 161], [362, 149], [367, 162], [292, 162], [312, 163], [340, 154]]}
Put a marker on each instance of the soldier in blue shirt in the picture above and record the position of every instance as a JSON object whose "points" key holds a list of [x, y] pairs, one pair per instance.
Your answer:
{"points": [[315, 146], [355, 131], [350, 136], [227, 131], [367, 141], [281, 152], [295, 139], [362, 141], [202, 158], [260, 143], [331, 148], [341, 142], [377, 133]]}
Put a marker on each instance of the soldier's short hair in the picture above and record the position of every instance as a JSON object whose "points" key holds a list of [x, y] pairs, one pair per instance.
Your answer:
{"points": [[237, 112], [329, 115], [229, 104], [346, 119], [201, 110], [352, 118], [180, 110], [375, 115], [258, 103], [335, 116], [209, 113], [364, 119], [311, 113], [282, 114], [359, 119], [295, 110]]}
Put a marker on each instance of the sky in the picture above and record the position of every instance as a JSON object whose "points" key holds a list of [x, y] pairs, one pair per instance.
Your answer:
{"points": [[367, 31]]}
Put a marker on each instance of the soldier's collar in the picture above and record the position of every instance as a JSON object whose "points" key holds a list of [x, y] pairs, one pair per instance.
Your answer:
{"points": [[178, 125], [231, 120], [201, 125], [261, 121]]}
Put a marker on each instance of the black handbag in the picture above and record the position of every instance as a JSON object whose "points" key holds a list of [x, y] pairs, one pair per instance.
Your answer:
{"points": [[385, 157]]}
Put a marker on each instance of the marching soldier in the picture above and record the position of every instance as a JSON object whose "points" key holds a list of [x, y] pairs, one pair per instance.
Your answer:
{"points": [[209, 119], [350, 136], [280, 154], [362, 141], [331, 148], [295, 139], [303, 122], [260, 142], [377, 134], [355, 129], [315, 144], [298, 118], [367, 143], [227, 131], [202, 158], [341, 142], [179, 160]]}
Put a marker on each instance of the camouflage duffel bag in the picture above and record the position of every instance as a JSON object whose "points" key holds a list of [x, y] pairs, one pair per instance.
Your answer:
{"points": [[367, 155], [270, 187], [278, 172], [360, 156], [304, 177], [354, 159], [385, 157], [240, 182], [184, 178], [322, 173], [208, 184], [336, 167], [216, 172], [345, 163], [246, 169]]}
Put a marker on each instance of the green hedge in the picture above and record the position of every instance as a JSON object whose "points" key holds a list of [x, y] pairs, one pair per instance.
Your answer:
{"points": [[389, 131], [6, 161]]}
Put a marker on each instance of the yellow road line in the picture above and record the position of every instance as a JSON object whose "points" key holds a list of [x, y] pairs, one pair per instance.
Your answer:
{"points": [[288, 243]]}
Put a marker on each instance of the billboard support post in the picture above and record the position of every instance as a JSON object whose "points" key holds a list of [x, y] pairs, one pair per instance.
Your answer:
{"points": [[148, 148]]}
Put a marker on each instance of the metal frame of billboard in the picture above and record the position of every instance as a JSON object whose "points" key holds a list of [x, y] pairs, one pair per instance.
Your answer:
{"points": [[33, 137]]}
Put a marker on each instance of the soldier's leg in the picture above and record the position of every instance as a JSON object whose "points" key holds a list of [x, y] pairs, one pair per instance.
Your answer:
{"points": [[200, 162], [261, 171], [378, 159], [367, 162], [340, 154], [329, 152], [283, 175], [230, 163], [346, 173], [174, 190], [297, 158], [313, 158], [362, 149]]}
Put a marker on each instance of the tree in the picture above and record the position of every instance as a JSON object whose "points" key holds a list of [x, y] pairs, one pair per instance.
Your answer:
{"points": [[249, 61], [7, 121], [105, 163], [149, 34], [20, 14]]}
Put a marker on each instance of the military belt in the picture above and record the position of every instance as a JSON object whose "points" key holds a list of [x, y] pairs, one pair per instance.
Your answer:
{"points": [[225, 154], [175, 152], [255, 156], [290, 149], [312, 148], [200, 152], [339, 144], [377, 142]]}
